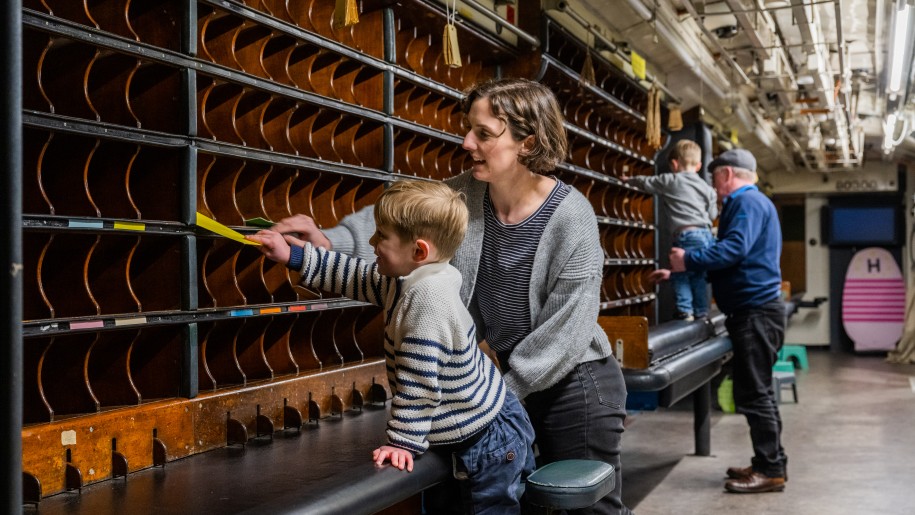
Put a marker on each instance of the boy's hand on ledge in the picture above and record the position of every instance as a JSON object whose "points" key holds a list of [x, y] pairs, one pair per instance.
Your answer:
{"points": [[659, 275], [305, 228], [400, 458], [273, 245]]}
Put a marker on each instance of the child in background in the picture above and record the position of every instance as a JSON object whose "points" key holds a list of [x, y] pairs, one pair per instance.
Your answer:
{"points": [[692, 206], [448, 397]]}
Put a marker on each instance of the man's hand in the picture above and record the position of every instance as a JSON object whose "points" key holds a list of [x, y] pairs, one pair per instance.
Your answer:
{"points": [[400, 458], [659, 275], [306, 228], [677, 260], [273, 245]]}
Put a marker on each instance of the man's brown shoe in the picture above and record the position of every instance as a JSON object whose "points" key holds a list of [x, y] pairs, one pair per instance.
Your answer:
{"points": [[755, 483], [739, 472], [742, 472]]}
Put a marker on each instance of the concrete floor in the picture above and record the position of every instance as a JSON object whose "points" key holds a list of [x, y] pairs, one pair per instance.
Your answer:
{"points": [[850, 443]]}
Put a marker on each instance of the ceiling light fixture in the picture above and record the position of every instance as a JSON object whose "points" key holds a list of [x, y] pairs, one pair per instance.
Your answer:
{"points": [[889, 131], [900, 51]]}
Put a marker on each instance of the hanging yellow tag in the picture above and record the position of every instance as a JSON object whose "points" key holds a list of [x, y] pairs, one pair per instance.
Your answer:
{"points": [[675, 118], [346, 13], [587, 70], [451, 48], [638, 65]]}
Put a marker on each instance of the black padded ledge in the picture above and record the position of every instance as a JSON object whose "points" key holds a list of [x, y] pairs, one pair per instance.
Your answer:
{"points": [[663, 374], [327, 469], [673, 336]]}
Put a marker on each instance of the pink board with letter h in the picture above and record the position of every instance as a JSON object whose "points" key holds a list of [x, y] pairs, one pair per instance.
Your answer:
{"points": [[873, 300]]}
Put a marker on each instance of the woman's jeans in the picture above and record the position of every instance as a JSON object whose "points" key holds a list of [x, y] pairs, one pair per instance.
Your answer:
{"points": [[691, 288], [581, 417]]}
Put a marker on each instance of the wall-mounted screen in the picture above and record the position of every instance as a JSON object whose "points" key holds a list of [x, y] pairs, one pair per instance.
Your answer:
{"points": [[862, 225]]}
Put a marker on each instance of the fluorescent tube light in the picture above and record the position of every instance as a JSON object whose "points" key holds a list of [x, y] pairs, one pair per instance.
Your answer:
{"points": [[889, 128], [900, 36]]}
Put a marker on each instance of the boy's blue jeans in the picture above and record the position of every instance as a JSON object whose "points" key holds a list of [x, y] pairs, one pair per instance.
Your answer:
{"points": [[691, 288], [488, 474]]}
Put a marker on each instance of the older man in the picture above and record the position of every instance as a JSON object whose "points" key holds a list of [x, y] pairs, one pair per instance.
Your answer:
{"points": [[744, 271]]}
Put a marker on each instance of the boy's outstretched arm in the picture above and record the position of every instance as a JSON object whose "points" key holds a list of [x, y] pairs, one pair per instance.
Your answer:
{"points": [[273, 245], [306, 228]]}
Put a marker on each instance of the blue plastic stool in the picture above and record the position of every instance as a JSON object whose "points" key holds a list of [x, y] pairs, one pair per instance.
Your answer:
{"points": [[796, 354], [569, 484], [781, 380]]}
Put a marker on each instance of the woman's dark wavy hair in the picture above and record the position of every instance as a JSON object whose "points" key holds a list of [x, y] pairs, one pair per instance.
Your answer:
{"points": [[528, 109]]}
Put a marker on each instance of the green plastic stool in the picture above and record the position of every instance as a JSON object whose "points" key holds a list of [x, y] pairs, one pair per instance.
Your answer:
{"points": [[783, 366], [796, 354]]}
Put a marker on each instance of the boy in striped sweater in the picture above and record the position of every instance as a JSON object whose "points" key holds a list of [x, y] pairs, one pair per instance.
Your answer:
{"points": [[448, 397]]}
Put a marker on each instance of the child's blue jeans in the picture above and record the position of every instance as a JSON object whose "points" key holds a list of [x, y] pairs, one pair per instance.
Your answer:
{"points": [[489, 473], [691, 288]]}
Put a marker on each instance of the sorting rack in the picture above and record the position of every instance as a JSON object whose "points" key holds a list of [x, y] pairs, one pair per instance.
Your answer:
{"points": [[137, 115]]}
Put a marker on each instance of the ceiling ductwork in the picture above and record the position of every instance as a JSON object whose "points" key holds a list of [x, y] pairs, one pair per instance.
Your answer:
{"points": [[804, 81]]}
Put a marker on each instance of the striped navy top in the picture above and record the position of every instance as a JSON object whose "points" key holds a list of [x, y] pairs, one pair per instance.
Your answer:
{"points": [[503, 280]]}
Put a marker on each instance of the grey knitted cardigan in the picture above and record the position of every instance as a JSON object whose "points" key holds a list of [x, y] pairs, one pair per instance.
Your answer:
{"points": [[564, 285]]}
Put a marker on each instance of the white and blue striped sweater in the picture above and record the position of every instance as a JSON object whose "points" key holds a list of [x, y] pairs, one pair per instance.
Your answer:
{"points": [[445, 389]]}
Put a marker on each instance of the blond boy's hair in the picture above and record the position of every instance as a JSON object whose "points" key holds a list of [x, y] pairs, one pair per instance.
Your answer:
{"points": [[687, 153], [427, 210]]}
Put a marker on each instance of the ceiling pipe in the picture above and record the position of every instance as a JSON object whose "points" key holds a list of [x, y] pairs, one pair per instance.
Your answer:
{"points": [[845, 78], [564, 7], [743, 19], [676, 42], [711, 37], [823, 76], [786, 134], [714, 41], [704, 72], [488, 13]]}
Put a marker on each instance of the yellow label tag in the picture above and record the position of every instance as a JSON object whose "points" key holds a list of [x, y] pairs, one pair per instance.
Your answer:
{"points": [[130, 226], [214, 226], [118, 322], [346, 13], [450, 46], [734, 136], [638, 65]]}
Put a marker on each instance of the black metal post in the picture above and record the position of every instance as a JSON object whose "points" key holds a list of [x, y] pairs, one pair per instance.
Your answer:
{"points": [[11, 248], [390, 55], [702, 419]]}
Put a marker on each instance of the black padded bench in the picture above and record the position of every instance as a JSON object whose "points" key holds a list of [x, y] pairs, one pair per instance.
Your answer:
{"points": [[684, 357]]}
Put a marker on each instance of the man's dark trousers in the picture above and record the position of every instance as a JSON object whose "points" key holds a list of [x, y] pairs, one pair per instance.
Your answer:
{"points": [[757, 334]]}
